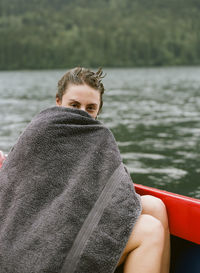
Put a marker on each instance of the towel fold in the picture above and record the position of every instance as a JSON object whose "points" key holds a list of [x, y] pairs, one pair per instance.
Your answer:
{"points": [[67, 204]]}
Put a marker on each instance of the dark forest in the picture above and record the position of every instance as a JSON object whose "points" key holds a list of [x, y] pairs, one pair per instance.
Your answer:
{"points": [[48, 34]]}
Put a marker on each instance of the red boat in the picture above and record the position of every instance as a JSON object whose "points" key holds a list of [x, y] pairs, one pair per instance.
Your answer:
{"points": [[184, 223]]}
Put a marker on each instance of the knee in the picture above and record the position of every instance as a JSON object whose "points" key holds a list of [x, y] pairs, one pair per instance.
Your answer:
{"points": [[152, 229], [153, 203], [156, 208]]}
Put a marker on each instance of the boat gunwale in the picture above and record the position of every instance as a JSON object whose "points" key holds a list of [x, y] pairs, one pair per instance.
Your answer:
{"points": [[183, 212]]}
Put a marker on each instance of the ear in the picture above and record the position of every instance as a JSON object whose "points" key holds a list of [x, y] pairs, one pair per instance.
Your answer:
{"points": [[58, 101]]}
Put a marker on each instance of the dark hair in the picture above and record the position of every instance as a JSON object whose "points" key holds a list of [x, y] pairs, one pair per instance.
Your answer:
{"points": [[81, 75]]}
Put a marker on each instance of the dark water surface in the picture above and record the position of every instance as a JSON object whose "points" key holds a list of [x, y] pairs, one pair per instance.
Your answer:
{"points": [[154, 114]]}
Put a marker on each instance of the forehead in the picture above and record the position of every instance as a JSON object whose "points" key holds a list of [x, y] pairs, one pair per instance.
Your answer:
{"points": [[82, 92]]}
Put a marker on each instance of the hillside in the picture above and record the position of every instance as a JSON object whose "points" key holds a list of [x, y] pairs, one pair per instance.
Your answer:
{"points": [[39, 34]]}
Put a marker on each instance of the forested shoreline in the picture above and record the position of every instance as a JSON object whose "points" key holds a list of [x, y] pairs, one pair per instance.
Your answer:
{"points": [[48, 34]]}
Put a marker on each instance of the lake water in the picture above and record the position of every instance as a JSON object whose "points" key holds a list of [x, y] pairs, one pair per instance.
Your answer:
{"points": [[154, 114]]}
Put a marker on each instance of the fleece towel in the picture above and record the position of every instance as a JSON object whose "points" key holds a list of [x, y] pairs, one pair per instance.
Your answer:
{"points": [[67, 204]]}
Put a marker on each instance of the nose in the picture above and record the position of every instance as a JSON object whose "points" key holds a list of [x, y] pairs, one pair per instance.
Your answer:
{"points": [[83, 108]]}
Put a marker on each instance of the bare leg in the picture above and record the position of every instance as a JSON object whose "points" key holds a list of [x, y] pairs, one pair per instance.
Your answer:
{"points": [[155, 207], [143, 252]]}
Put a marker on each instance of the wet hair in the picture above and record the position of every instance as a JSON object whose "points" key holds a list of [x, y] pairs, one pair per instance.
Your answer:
{"points": [[81, 75]]}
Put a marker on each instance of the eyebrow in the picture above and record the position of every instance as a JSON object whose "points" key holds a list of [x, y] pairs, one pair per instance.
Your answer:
{"points": [[90, 104], [71, 100]]}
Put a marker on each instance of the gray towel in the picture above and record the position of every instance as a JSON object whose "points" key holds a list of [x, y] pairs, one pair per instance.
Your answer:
{"points": [[67, 204]]}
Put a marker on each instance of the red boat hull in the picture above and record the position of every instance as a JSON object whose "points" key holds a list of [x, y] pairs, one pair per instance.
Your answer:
{"points": [[183, 212], [184, 224]]}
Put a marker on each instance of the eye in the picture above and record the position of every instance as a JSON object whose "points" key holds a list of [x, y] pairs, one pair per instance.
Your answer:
{"points": [[91, 108], [74, 105]]}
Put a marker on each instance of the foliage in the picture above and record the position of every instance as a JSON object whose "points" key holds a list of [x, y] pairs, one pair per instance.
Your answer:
{"points": [[40, 34]]}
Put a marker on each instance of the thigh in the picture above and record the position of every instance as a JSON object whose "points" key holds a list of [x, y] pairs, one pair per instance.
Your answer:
{"points": [[144, 230]]}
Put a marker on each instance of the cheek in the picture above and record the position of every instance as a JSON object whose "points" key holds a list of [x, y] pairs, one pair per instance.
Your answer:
{"points": [[99, 108], [99, 103]]}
